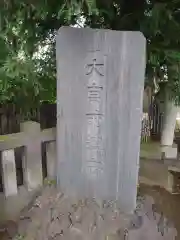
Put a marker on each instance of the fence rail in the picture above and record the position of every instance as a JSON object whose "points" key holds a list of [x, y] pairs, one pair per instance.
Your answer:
{"points": [[31, 138], [11, 117]]}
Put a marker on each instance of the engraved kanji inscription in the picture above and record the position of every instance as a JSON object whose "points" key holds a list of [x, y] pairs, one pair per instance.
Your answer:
{"points": [[94, 141], [94, 172], [94, 153], [94, 66], [94, 94], [94, 108], [95, 118]]}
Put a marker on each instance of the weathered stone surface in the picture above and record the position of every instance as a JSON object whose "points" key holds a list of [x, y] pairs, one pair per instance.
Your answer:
{"points": [[99, 105], [55, 216]]}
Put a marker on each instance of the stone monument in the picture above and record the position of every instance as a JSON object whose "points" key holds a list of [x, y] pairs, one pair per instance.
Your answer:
{"points": [[99, 109]]}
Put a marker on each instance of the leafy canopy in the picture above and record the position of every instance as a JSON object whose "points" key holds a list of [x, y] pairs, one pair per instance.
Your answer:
{"points": [[27, 41]]}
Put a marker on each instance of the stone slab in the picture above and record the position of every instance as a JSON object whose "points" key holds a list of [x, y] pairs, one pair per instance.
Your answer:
{"points": [[99, 109]]}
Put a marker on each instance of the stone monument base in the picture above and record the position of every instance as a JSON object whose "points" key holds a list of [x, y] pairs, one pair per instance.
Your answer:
{"points": [[55, 216]]}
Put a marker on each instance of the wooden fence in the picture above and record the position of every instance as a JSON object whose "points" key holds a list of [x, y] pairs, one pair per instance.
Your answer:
{"points": [[11, 117]]}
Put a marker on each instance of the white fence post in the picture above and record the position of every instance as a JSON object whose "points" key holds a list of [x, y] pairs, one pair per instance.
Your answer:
{"points": [[9, 173], [32, 159]]}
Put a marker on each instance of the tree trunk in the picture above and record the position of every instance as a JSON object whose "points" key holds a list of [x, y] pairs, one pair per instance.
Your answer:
{"points": [[169, 123]]}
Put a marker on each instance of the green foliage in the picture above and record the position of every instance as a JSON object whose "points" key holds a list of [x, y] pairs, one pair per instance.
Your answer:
{"points": [[27, 41], [19, 237], [159, 21], [49, 182]]}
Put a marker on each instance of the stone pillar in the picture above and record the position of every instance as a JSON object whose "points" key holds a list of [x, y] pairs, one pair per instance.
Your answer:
{"points": [[167, 137], [99, 110], [51, 160], [169, 124], [32, 160], [9, 173]]}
